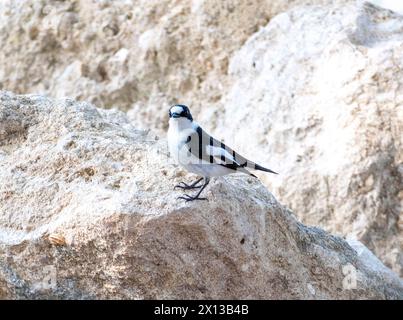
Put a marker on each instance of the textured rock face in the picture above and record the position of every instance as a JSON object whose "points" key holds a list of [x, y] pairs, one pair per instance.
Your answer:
{"points": [[102, 191], [320, 91], [140, 55], [396, 6]]}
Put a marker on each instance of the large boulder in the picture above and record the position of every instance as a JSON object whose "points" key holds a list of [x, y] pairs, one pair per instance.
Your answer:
{"points": [[318, 97], [87, 210], [141, 55]]}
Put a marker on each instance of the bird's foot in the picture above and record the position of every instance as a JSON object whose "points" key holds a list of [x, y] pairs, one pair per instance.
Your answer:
{"points": [[188, 198], [185, 186]]}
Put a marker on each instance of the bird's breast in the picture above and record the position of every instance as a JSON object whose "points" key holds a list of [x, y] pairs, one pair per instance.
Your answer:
{"points": [[176, 140]]}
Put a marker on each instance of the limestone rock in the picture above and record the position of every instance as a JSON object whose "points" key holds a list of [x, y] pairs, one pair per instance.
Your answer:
{"points": [[326, 112], [87, 210], [396, 6], [141, 55]]}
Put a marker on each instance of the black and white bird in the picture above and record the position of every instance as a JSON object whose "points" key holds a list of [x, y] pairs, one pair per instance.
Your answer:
{"points": [[200, 153]]}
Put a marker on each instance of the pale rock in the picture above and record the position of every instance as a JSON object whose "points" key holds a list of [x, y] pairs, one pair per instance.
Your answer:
{"points": [[321, 102], [174, 51], [392, 5], [103, 191], [319, 91]]}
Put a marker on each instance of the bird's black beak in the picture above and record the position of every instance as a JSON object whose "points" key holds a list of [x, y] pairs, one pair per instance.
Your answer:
{"points": [[175, 115]]}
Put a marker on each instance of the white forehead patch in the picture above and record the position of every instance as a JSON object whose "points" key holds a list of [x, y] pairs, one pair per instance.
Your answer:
{"points": [[176, 109]]}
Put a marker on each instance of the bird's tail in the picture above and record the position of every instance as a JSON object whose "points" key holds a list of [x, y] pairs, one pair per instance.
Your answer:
{"points": [[243, 163], [259, 167], [242, 169]]}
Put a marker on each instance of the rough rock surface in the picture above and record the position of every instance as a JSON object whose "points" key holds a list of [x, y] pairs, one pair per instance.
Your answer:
{"points": [[320, 89], [102, 190], [321, 92], [141, 55]]}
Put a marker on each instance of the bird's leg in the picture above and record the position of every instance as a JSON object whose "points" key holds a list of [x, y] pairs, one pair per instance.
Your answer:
{"points": [[186, 186], [187, 198]]}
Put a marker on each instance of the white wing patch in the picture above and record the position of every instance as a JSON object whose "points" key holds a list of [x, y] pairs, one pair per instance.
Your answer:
{"points": [[218, 152]]}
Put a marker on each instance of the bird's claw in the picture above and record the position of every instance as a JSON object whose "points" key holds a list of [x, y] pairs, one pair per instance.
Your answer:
{"points": [[181, 185], [188, 198], [185, 186]]}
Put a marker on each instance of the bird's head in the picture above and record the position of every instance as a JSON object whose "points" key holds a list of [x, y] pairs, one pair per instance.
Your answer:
{"points": [[180, 111]]}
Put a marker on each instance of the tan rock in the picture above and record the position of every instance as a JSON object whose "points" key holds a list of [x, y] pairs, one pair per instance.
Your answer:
{"points": [[88, 175], [321, 102], [142, 55]]}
